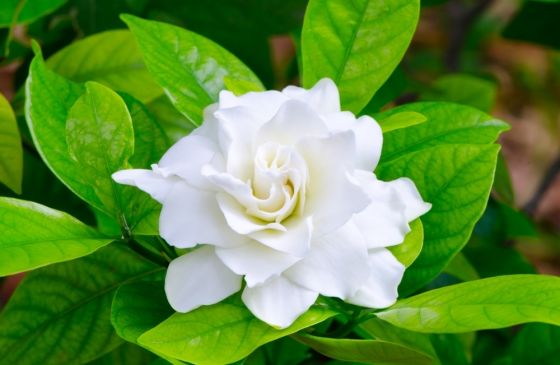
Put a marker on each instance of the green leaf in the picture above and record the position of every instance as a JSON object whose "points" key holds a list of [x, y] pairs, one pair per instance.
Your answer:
{"points": [[100, 139], [536, 344], [377, 329], [49, 100], [30, 10], [376, 352], [126, 354], [411, 247], [463, 89], [139, 307], [11, 152], [175, 124], [356, 43], [461, 268], [60, 314], [449, 349], [496, 302], [221, 333], [190, 68], [453, 165], [34, 236], [111, 58], [401, 120]]}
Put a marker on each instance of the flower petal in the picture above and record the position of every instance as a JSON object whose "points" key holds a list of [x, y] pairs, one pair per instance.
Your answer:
{"points": [[332, 196], [238, 219], [263, 105], [293, 121], [323, 96], [335, 266], [278, 302], [199, 278], [381, 289], [369, 138], [295, 240], [186, 159], [257, 262], [152, 183], [190, 216], [414, 205], [385, 221]]}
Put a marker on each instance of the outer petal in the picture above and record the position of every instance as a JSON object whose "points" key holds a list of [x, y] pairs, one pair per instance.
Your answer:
{"points": [[386, 273], [294, 121], [323, 97], [187, 157], [278, 302], [262, 105], [199, 278], [150, 182], [257, 262], [385, 221], [190, 217], [369, 138], [336, 265], [414, 205], [332, 195]]}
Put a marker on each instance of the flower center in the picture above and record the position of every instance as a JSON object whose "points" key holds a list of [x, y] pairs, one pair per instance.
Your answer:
{"points": [[278, 182]]}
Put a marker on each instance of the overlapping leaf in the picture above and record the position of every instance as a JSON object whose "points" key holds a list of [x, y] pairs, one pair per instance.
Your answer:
{"points": [[60, 314]]}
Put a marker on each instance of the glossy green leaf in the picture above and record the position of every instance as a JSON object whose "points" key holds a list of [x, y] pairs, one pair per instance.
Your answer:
{"points": [[126, 354], [496, 302], [111, 58], [377, 329], [34, 236], [356, 43], [190, 68], [49, 100], [100, 139], [401, 120], [461, 268], [450, 349], [376, 352], [11, 152], [60, 314], [175, 124], [409, 250], [536, 344], [139, 307], [205, 335], [463, 89], [452, 164], [29, 11]]}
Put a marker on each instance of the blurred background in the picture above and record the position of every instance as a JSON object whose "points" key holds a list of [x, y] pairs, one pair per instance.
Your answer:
{"points": [[500, 56]]}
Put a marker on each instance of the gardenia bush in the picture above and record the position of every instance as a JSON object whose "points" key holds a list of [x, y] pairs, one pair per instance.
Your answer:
{"points": [[283, 213]]}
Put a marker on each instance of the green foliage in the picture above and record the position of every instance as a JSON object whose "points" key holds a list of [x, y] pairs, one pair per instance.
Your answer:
{"points": [[463, 89], [34, 236], [124, 70], [205, 335], [376, 352], [356, 43], [409, 250], [401, 120], [11, 153], [461, 159], [190, 68], [536, 22], [25, 11], [495, 302], [61, 312]]}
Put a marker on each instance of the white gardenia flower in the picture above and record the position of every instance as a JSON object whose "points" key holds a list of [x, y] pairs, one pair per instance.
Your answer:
{"points": [[276, 188]]}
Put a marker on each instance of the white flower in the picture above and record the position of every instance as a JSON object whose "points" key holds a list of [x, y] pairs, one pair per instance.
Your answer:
{"points": [[277, 189]]}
